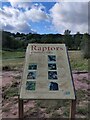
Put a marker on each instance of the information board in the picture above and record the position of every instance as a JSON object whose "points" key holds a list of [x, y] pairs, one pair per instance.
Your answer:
{"points": [[47, 73]]}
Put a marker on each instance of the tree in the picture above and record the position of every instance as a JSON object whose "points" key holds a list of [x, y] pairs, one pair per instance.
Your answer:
{"points": [[68, 39], [85, 45], [6, 40], [77, 41], [67, 32], [9, 42]]}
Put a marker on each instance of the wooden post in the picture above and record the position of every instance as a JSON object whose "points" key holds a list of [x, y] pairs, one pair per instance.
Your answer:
{"points": [[20, 107], [72, 110]]}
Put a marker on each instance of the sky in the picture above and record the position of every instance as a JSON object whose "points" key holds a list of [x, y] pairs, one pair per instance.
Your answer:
{"points": [[44, 17]]}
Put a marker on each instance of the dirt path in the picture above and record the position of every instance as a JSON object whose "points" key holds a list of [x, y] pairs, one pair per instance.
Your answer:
{"points": [[12, 78], [79, 79]]}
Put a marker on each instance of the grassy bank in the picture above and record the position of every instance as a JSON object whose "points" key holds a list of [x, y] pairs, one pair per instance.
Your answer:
{"points": [[77, 61], [12, 55]]}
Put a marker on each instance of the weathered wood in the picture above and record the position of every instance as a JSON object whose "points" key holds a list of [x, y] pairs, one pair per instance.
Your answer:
{"points": [[72, 110], [21, 109]]}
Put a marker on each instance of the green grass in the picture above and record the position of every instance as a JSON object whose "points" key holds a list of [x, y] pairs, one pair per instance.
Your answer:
{"points": [[81, 95], [13, 59], [83, 111], [13, 62], [52, 105], [11, 92], [12, 55], [55, 115], [77, 61]]}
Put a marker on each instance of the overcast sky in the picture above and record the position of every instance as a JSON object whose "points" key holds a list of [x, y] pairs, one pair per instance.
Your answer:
{"points": [[44, 17]]}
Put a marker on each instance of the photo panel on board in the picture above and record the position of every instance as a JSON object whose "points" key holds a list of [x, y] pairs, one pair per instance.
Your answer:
{"points": [[53, 86], [31, 75], [30, 85], [52, 75], [32, 67], [51, 58], [52, 66]]}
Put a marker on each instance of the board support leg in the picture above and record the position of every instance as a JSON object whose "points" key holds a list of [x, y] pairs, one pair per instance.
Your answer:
{"points": [[73, 109], [21, 108]]}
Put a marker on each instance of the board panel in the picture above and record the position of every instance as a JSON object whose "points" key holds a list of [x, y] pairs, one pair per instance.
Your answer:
{"points": [[47, 73]]}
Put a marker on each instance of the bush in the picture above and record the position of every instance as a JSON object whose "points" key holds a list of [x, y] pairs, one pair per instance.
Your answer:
{"points": [[6, 68]]}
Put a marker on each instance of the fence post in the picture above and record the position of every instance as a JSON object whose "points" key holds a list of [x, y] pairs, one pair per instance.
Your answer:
{"points": [[20, 108], [72, 109]]}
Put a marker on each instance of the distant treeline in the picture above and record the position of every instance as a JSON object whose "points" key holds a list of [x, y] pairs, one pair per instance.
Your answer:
{"points": [[19, 41]]}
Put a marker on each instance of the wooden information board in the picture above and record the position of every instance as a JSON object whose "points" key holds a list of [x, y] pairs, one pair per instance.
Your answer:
{"points": [[47, 73]]}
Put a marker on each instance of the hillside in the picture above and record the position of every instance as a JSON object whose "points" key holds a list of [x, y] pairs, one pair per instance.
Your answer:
{"points": [[19, 41]]}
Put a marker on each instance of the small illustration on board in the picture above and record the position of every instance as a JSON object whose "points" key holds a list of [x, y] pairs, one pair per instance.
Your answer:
{"points": [[52, 75], [31, 75], [51, 58], [52, 66], [30, 85], [32, 67], [53, 86]]}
